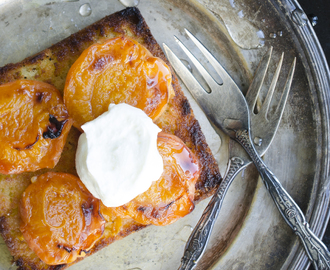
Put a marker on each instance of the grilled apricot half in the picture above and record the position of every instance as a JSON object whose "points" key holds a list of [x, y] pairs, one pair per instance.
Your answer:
{"points": [[120, 70], [60, 218], [34, 124], [172, 196]]}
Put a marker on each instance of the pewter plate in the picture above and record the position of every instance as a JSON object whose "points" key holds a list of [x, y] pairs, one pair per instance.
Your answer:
{"points": [[250, 233]]}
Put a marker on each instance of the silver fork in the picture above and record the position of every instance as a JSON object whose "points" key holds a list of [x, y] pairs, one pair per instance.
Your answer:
{"points": [[238, 159], [235, 121]]}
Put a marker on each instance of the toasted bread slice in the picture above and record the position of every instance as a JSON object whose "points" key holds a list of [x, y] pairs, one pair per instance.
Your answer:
{"points": [[51, 66]]}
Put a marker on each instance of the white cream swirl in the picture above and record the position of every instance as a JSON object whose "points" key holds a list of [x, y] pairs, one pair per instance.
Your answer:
{"points": [[117, 156]]}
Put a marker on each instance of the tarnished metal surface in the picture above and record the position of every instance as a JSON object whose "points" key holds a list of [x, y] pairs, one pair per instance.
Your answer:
{"points": [[250, 234]]}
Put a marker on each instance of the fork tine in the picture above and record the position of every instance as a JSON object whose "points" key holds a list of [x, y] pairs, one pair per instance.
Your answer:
{"points": [[258, 80], [214, 62], [280, 107], [265, 106], [208, 78], [188, 79]]}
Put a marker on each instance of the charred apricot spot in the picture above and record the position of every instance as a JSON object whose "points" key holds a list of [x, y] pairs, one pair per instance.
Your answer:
{"points": [[54, 129], [29, 145], [172, 196], [60, 218], [117, 71], [27, 110], [39, 96]]}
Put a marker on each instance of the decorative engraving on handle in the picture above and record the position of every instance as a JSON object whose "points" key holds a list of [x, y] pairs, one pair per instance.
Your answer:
{"points": [[235, 165], [316, 250], [200, 236], [242, 136]]}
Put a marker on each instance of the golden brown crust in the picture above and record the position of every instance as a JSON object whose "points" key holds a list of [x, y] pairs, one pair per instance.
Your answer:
{"points": [[51, 66]]}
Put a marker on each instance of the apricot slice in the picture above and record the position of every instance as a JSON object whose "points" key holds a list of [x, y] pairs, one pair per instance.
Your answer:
{"points": [[119, 70], [34, 124], [172, 196], [60, 218]]}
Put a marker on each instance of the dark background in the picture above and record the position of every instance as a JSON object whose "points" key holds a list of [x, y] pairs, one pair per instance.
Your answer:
{"points": [[320, 9]]}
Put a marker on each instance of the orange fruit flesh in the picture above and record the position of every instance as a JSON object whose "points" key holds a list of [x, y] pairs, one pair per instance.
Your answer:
{"points": [[117, 71], [34, 124], [172, 196], [60, 218]]}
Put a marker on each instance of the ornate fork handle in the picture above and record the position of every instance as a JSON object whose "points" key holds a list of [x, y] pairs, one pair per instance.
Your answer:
{"points": [[316, 250], [199, 238]]}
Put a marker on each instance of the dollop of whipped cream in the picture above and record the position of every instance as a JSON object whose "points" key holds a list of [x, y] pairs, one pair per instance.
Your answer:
{"points": [[117, 156]]}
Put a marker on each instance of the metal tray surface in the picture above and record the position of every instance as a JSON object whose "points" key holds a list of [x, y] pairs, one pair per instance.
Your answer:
{"points": [[249, 233]]}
